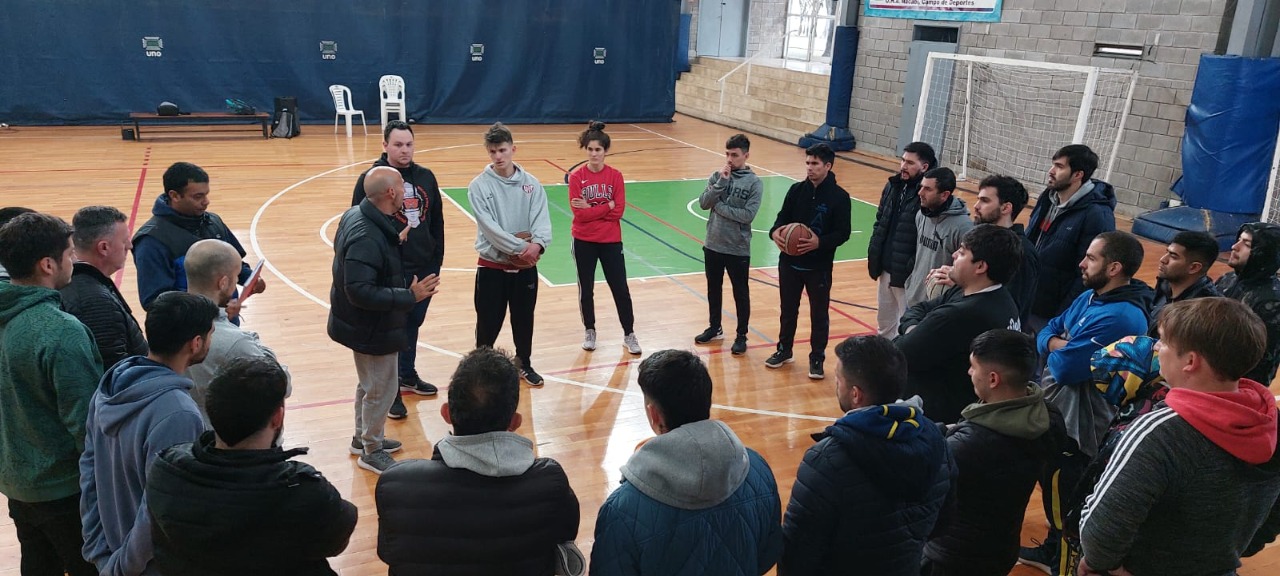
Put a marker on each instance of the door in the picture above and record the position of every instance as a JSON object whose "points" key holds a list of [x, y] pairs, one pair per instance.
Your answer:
{"points": [[722, 28], [916, 61]]}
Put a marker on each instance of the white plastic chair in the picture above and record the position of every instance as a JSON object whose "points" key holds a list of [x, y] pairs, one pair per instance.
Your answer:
{"points": [[392, 90], [342, 107]]}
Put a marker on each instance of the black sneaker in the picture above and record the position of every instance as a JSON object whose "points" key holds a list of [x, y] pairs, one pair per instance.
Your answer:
{"points": [[531, 376], [1042, 556], [739, 345], [417, 386], [779, 358], [815, 369], [711, 333], [398, 411]]}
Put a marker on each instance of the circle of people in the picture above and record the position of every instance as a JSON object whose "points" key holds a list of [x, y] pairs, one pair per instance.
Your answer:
{"points": [[1005, 357]]}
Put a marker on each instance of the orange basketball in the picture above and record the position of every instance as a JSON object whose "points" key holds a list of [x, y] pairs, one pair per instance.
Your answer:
{"points": [[791, 235], [515, 259]]}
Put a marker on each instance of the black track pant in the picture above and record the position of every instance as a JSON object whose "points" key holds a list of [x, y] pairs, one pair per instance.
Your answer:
{"points": [[818, 284], [585, 255], [498, 290], [717, 264]]}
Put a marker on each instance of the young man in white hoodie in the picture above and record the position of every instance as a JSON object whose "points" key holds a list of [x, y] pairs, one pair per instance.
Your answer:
{"points": [[513, 230]]}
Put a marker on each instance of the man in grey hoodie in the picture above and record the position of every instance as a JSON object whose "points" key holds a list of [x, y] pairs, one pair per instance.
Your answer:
{"points": [[483, 485], [709, 504], [142, 406], [513, 230], [940, 224], [732, 198]]}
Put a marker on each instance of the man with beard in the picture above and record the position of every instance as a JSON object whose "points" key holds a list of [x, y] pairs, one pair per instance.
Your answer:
{"points": [[1068, 215], [892, 248], [940, 224], [1113, 305], [1254, 259], [142, 406], [1183, 273]]}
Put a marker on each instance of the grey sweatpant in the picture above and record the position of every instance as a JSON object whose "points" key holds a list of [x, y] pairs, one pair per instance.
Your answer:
{"points": [[374, 395]]}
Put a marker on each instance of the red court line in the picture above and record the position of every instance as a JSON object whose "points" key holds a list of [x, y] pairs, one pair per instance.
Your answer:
{"points": [[556, 165], [831, 307], [137, 199], [665, 223]]}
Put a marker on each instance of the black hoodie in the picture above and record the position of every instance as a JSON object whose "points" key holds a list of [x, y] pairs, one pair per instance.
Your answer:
{"points": [[825, 210], [1256, 285], [423, 252]]}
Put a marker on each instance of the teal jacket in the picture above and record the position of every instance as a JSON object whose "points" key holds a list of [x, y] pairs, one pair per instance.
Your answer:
{"points": [[49, 367]]}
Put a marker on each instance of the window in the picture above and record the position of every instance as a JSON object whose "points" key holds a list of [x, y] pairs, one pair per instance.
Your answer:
{"points": [[811, 26]]}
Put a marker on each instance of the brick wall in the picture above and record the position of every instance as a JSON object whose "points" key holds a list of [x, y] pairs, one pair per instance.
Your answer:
{"points": [[766, 20]]}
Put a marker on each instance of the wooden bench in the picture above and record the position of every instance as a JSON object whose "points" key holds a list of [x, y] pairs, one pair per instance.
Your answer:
{"points": [[199, 119]]}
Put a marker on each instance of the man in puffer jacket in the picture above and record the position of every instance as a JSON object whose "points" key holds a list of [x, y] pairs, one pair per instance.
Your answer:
{"points": [[1255, 257], [868, 494], [892, 248], [1000, 448], [693, 499]]}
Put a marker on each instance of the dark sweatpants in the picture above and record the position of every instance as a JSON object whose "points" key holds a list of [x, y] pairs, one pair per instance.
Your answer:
{"points": [[498, 290], [817, 283], [585, 255], [738, 267]]}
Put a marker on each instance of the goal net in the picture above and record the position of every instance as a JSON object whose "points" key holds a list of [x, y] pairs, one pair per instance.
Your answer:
{"points": [[1272, 209], [999, 116]]}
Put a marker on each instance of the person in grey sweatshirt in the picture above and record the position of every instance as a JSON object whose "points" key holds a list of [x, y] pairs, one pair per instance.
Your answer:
{"points": [[513, 230], [940, 224], [142, 406], [732, 198]]}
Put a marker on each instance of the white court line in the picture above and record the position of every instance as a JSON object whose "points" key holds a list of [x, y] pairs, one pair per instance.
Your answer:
{"points": [[257, 248]]}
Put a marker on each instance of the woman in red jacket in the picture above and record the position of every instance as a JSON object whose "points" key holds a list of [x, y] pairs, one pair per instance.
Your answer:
{"points": [[597, 196]]}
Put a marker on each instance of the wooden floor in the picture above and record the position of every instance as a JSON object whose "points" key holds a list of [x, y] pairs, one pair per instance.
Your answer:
{"points": [[279, 197]]}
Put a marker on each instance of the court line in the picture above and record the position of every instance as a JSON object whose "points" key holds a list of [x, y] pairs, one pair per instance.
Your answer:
{"points": [[830, 307], [137, 199], [257, 248]]}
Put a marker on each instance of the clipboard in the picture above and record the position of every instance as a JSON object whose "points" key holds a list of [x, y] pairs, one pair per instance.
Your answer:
{"points": [[254, 276]]}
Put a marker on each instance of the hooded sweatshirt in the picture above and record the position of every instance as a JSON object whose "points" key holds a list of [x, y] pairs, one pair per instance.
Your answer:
{"points": [[825, 209], [1256, 285], [938, 235], [423, 252], [693, 501], [1203, 287], [503, 208], [160, 248], [1093, 321], [867, 494], [49, 367], [733, 203], [141, 407], [477, 494], [1061, 234], [1189, 487]]}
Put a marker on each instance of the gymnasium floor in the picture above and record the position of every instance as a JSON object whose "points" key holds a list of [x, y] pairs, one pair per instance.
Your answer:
{"points": [[281, 198]]}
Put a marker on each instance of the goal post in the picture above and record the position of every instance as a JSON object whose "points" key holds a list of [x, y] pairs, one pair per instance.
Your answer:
{"points": [[1271, 211], [986, 115]]}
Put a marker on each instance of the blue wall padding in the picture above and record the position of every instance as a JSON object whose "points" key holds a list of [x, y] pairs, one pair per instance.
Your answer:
{"points": [[1230, 134], [840, 93], [1161, 225], [82, 61], [682, 43]]}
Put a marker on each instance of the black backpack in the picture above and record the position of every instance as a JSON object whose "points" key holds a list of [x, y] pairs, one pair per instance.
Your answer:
{"points": [[285, 123]]}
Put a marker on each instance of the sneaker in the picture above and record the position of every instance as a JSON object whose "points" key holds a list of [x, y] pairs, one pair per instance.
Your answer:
{"points": [[388, 446], [397, 411], [589, 341], [711, 333], [1042, 556], [417, 386], [815, 369], [531, 376], [378, 462], [739, 345], [779, 358], [633, 345]]}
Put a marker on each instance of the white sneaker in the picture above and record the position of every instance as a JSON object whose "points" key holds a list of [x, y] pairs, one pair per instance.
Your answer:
{"points": [[633, 345], [589, 341]]}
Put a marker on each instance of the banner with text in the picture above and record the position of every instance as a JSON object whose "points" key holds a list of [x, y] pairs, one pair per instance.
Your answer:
{"points": [[956, 10]]}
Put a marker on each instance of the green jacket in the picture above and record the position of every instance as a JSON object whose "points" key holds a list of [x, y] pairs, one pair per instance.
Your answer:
{"points": [[49, 368]]}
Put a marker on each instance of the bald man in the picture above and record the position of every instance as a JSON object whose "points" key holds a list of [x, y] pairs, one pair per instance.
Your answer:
{"points": [[213, 268], [369, 305]]}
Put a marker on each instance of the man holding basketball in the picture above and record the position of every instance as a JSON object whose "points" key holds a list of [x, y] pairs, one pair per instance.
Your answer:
{"points": [[821, 207]]}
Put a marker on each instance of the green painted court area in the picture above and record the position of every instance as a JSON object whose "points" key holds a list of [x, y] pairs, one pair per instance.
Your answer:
{"points": [[663, 228]]}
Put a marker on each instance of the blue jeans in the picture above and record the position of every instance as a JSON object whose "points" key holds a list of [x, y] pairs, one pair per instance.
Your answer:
{"points": [[409, 356]]}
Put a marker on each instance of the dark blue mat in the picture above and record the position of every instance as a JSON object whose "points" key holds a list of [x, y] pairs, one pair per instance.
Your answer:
{"points": [[1162, 225]]}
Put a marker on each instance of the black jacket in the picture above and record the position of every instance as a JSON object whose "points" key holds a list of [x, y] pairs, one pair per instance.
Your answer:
{"points": [[937, 346], [1257, 286], [1026, 279], [94, 300], [1203, 288], [825, 210], [423, 252], [979, 533], [1062, 242], [368, 300], [892, 247], [243, 512], [160, 248], [436, 520]]}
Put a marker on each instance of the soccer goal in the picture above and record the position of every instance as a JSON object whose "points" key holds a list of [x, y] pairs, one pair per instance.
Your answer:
{"points": [[1272, 209], [1000, 116]]}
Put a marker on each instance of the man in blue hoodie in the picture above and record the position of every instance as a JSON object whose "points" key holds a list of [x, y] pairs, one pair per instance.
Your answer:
{"points": [[693, 499], [142, 406], [1114, 305], [868, 493], [179, 218]]}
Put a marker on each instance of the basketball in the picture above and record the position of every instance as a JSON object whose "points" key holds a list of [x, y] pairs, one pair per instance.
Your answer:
{"points": [[791, 235], [515, 259]]}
